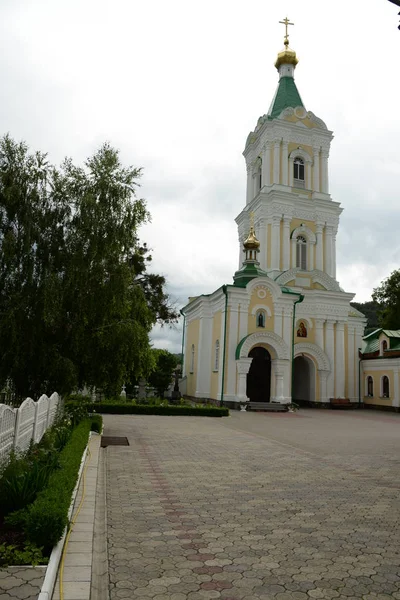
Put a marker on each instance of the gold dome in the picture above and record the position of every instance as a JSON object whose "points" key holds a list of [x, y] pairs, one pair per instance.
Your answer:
{"points": [[286, 57], [251, 242]]}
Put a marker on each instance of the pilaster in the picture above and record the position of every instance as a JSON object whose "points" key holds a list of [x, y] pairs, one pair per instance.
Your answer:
{"points": [[330, 351], [319, 262], [266, 164], [319, 333], [249, 191], [285, 163], [277, 162], [316, 169], [275, 243], [231, 349], [243, 367], [286, 243], [339, 361], [328, 249]]}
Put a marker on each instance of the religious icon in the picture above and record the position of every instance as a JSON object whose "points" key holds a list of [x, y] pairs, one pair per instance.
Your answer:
{"points": [[302, 330]]}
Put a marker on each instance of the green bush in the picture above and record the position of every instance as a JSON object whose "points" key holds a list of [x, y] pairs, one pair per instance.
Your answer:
{"points": [[45, 519], [97, 423], [29, 555], [145, 409]]}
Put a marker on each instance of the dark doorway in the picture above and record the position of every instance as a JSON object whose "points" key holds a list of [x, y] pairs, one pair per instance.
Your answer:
{"points": [[259, 376], [303, 379]]}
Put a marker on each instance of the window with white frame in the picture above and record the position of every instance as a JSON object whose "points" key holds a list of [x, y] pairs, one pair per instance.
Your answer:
{"points": [[192, 359], [298, 173], [385, 387], [260, 318], [216, 356], [370, 386], [301, 253], [384, 347]]}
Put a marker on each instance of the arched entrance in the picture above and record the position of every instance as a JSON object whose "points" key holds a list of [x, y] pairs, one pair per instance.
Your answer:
{"points": [[259, 376], [303, 380]]}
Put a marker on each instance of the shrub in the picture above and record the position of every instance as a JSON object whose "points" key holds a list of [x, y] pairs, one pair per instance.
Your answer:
{"points": [[29, 555], [146, 409], [97, 423], [45, 519]]}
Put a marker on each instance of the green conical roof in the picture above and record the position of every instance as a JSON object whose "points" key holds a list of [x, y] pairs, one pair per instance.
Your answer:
{"points": [[286, 96]]}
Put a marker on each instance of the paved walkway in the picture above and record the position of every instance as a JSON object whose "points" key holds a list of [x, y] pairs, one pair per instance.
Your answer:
{"points": [[254, 506]]}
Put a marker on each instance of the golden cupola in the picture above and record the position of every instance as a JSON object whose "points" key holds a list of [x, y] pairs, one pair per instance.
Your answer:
{"points": [[287, 56]]}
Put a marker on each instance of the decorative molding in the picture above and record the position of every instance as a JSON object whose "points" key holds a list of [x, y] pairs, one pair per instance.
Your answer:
{"points": [[315, 352], [301, 153], [303, 230], [331, 285], [270, 339]]}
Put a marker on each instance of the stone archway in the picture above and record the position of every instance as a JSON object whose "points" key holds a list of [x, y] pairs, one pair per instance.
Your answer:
{"points": [[258, 385], [303, 380]]}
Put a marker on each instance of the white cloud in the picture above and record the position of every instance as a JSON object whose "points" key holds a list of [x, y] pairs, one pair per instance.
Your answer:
{"points": [[177, 87]]}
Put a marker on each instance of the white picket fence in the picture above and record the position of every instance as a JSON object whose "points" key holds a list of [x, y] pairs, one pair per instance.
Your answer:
{"points": [[18, 426]]}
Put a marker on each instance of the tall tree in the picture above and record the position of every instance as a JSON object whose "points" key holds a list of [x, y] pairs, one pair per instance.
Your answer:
{"points": [[76, 302], [165, 363], [387, 295]]}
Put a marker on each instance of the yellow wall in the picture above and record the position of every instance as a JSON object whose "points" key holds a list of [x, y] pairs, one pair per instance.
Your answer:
{"points": [[376, 375], [307, 122], [294, 223], [216, 335], [193, 330], [269, 321]]}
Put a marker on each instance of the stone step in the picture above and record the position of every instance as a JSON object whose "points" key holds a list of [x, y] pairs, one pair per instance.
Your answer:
{"points": [[267, 406]]}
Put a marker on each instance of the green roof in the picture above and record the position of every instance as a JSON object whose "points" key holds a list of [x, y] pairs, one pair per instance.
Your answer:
{"points": [[286, 95], [372, 340], [248, 272]]}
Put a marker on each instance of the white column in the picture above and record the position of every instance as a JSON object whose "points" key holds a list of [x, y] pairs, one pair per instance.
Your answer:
{"points": [[324, 171], [285, 163], [395, 401], [266, 165], [330, 351], [287, 326], [319, 333], [278, 320], [351, 363], [328, 249], [231, 348], [316, 169], [340, 372], [243, 367], [278, 371], [334, 255], [291, 163], [319, 248], [293, 247], [184, 349], [249, 191], [286, 243], [203, 379], [308, 175], [255, 184], [275, 243], [311, 247], [277, 162], [243, 320], [323, 383], [261, 229], [241, 253], [221, 350]]}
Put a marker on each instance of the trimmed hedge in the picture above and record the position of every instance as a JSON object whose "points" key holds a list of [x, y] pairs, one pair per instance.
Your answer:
{"points": [[44, 521], [145, 409]]}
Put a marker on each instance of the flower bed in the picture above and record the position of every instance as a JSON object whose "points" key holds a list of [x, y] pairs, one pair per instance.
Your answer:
{"points": [[36, 489]]}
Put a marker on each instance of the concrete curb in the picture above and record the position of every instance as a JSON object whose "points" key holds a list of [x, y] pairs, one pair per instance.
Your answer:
{"points": [[52, 568], [99, 585]]}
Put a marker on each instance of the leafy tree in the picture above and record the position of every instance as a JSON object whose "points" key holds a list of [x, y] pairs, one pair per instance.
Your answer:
{"points": [[76, 301], [387, 296], [370, 310], [165, 363]]}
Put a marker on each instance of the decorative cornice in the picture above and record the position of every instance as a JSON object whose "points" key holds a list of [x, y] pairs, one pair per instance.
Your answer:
{"points": [[266, 337]]}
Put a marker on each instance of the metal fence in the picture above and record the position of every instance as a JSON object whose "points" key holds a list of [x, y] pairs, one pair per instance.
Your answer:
{"points": [[20, 426]]}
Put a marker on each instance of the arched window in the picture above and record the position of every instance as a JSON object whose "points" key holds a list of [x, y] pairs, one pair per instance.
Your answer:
{"points": [[301, 253], [370, 386], [216, 356], [385, 386], [384, 346], [298, 173], [192, 359], [260, 318]]}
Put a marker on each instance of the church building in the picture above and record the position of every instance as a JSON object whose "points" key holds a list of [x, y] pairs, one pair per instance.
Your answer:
{"points": [[284, 329]]}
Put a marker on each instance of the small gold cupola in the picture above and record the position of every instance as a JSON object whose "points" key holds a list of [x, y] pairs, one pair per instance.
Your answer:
{"points": [[287, 56], [251, 245]]}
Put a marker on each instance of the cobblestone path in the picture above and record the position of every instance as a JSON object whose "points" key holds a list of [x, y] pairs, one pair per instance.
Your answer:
{"points": [[212, 508]]}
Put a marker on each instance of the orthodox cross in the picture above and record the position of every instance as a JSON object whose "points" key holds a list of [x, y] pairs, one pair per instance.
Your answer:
{"points": [[286, 22]]}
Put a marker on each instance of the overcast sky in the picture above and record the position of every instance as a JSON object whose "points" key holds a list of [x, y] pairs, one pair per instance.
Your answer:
{"points": [[177, 85]]}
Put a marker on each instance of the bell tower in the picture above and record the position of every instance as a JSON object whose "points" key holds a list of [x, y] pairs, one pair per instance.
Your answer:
{"points": [[286, 156]]}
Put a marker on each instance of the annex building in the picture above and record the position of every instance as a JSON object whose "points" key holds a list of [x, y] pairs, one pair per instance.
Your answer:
{"points": [[284, 329]]}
